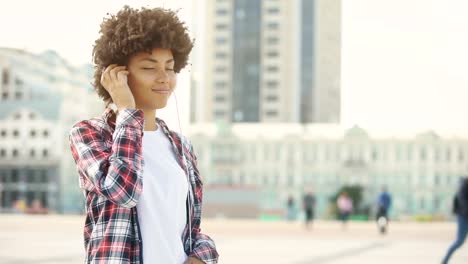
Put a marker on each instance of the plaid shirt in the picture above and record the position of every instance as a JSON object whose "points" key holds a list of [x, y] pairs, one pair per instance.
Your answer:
{"points": [[109, 162]]}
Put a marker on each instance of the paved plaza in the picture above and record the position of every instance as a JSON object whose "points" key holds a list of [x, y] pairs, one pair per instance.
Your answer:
{"points": [[58, 239]]}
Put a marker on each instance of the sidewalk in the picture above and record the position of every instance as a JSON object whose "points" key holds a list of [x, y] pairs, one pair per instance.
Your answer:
{"points": [[58, 239]]}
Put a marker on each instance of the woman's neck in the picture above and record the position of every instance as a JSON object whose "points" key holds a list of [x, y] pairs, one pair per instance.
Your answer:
{"points": [[150, 120]]}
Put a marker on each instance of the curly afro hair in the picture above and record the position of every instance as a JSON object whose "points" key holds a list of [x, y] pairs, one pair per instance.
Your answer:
{"points": [[131, 31]]}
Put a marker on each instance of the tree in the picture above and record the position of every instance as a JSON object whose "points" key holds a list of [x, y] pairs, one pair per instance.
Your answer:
{"points": [[355, 192]]}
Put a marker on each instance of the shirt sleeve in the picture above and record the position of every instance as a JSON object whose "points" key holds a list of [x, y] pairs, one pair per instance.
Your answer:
{"points": [[115, 172], [205, 249]]}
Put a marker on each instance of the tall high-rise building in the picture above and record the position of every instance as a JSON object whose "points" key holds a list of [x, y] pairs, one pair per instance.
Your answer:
{"points": [[266, 61]]}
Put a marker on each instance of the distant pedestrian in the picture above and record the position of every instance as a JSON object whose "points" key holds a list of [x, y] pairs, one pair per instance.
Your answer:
{"points": [[345, 207], [460, 208], [309, 206], [384, 201], [291, 211]]}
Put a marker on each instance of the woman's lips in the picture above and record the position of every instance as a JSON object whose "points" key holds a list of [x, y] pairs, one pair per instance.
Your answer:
{"points": [[161, 91]]}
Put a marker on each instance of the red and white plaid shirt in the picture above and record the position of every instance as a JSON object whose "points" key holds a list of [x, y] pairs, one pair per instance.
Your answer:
{"points": [[109, 161]]}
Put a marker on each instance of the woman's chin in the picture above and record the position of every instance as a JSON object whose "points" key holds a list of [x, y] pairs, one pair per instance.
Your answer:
{"points": [[160, 105], [154, 104]]}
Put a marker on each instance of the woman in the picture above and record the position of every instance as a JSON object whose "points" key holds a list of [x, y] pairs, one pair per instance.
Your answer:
{"points": [[141, 183], [345, 207]]}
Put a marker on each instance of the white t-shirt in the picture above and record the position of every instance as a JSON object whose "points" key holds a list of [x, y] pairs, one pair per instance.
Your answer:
{"points": [[162, 205]]}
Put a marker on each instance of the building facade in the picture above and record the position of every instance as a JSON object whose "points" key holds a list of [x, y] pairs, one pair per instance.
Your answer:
{"points": [[421, 171], [42, 96]]}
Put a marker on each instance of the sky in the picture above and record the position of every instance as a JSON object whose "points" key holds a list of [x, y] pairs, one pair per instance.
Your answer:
{"points": [[404, 62]]}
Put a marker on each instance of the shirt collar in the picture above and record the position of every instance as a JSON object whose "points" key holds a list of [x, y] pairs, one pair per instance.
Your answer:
{"points": [[109, 112]]}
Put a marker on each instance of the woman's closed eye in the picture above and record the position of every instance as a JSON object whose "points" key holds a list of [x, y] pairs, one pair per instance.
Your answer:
{"points": [[154, 68]]}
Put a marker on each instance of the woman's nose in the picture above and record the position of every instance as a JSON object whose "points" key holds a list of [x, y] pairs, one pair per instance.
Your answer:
{"points": [[162, 76]]}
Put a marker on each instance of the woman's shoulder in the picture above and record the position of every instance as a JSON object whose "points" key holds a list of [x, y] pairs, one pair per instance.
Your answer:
{"points": [[94, 124], [184, 140], [177, 136]]}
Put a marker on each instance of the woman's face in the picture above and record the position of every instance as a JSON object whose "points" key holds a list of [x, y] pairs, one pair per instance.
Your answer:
{"points": [[152, 78]]}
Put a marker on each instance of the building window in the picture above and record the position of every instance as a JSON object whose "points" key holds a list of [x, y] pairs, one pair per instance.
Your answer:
{"points": [[273, 25], [397, 153], [423, 154], [240, 14], [272, 54], [14, 175], [221, 55], [32, 116], [18, 82], [220, 84], [44, 177], [272, 98], [273, 10], [17, 116], [44, 200], [15, 153], [221, 69], [33, 133], [5, 95], [436, 203], [272, 84], [219, 113], [375, 155], [2, 152], [220, 99], [410, 153], [45, 153], [221, 12], [436, 179], [265, 180], [271, 113], [221, 26], [32, 153], [290, 180], [272, 40], [3, 133], [448, 155], [18, 95], [436, 154], [272, 68], [221, 40], [6, 76], [46, 133]]}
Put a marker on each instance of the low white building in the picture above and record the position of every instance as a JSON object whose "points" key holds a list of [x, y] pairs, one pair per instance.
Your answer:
{"points": [[41, 97], [421, 171]]}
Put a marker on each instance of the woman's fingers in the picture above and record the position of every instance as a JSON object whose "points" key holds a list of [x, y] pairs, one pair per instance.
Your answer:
{"points": [[113, 72], [105, 75], [110, 78]]}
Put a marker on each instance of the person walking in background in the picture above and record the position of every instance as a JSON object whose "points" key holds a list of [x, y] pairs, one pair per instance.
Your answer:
{"points": [[290, 205], [309, 205], [460, 208], [384, 201], [345, 207]]}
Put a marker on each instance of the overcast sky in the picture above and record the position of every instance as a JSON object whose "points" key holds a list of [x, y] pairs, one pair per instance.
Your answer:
{"points": [[403, 67]]}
